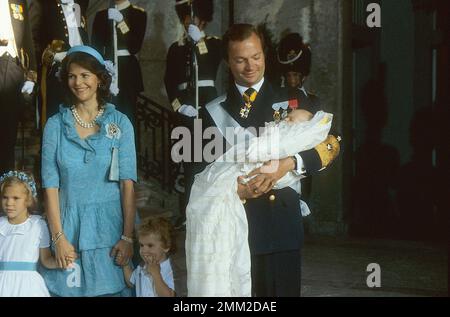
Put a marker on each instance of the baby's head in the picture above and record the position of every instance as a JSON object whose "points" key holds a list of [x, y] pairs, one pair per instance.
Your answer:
{"points": [[299, 115], [18, 193], [155, 238]]}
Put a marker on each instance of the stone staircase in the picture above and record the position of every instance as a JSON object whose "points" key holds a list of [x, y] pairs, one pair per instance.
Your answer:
{"points": [[152, 201]]}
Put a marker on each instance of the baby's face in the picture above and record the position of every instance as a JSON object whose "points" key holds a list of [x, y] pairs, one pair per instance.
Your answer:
{"points": [[299, 115]]}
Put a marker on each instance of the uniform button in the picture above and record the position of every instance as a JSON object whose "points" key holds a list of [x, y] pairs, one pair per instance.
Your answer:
{"points": [[272, 197]]}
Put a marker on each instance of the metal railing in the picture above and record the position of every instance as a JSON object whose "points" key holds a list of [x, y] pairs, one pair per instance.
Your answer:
{"points": [[154, 124]]}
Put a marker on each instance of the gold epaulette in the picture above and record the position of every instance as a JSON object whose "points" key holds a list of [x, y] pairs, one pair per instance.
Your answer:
{"points": [[328, 150], [138, 8]]}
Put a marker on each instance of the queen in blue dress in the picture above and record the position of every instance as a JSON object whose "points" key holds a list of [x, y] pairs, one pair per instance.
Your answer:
{"points": [[88, 172]]}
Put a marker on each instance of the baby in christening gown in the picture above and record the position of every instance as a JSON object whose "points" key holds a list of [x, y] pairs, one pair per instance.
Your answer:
{"points": [[217, 251]]}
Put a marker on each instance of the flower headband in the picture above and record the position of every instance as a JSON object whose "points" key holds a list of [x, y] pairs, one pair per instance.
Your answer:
{"points": [[23, 177], [109, 65]]}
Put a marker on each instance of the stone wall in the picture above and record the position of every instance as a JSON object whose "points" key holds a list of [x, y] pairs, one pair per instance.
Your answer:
{"points": [[322, 23]]}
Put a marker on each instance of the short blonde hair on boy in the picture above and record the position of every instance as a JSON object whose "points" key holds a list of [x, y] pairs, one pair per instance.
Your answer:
{"points": [[161, 227]]}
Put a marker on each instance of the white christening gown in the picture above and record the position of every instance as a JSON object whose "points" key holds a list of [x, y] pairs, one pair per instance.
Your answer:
{"points": [[217, 251]]}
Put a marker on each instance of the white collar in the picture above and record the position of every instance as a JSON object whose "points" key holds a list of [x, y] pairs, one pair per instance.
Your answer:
{"points": [[304, 91], [123, 5], [256, 86], [67, 2], [22, 228]]}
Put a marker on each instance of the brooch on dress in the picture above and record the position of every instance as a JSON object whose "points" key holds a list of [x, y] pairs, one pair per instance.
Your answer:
{"points": [[113, 131]]}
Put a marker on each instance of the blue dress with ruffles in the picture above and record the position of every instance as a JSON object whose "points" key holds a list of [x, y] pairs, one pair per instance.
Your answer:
{"points": [[90, 203]]}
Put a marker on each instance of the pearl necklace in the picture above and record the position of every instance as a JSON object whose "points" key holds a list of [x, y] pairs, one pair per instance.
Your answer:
{"points": [[86, 125]]}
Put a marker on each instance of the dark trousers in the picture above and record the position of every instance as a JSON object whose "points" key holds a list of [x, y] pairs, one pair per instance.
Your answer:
{"points": [[11, 105], [277, 274], [125, 102]]}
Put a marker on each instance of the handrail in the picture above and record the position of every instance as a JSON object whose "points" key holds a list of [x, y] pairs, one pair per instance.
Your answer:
{"points": [[154, 124]]}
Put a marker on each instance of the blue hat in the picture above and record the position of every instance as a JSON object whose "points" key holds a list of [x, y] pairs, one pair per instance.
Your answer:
{"points": [[88, 50]]}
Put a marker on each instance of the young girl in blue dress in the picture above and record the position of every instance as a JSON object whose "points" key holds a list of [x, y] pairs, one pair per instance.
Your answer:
{"points": [[24, 239], [88, 173]]}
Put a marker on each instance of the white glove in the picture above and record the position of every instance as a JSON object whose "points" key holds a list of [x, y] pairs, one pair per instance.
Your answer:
{"points": [[59, 57], [195, 33], [188, 111], [114, 14], [28, 87]]}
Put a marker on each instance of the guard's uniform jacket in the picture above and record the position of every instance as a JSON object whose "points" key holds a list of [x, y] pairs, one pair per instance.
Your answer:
{"points": [[49, 24], [179, 82], [179, 76], [130, 36], [51, 35]]}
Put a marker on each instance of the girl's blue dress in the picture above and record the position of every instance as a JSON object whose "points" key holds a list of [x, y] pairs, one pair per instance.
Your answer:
{"points": [[90, 202]]}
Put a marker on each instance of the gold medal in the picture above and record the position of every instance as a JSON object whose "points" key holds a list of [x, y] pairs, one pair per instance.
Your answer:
{"points": [[276, 116], [245, 110], [17, 11]]}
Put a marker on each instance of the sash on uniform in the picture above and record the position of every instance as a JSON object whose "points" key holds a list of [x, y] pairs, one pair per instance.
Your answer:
{"points": [[224, 120]]}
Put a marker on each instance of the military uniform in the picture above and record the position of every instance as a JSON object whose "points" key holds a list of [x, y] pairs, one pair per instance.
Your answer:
{"points": [[179, 76], [17, 63], [295, 56], [53, 33], [274, 219], [130, 36]]}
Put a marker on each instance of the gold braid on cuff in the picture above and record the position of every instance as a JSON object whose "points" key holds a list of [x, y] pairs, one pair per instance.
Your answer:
{"points": [[328, 150]]}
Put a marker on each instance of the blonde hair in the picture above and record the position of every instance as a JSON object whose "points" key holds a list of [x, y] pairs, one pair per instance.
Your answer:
{"points": [[10, 181], [162, 228]]}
